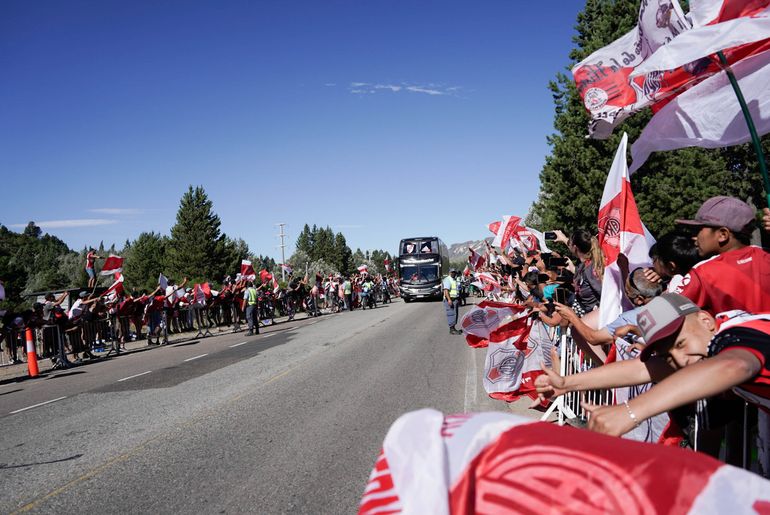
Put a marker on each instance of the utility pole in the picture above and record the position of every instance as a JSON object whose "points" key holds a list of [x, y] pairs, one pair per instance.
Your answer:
{"points": [[282, 235]]}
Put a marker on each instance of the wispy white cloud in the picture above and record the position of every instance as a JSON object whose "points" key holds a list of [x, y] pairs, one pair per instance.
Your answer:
{"points": [[426, 89], [68, 224], [118, 211]]}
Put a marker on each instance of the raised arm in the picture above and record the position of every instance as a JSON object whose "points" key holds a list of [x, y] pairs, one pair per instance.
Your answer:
{"points": [[698, 381]]}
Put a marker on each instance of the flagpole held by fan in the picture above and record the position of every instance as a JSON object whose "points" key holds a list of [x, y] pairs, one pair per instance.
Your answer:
{"points": [[750, 122]]}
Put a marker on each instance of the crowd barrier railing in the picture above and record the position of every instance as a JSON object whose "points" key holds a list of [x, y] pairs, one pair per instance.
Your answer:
{"points": [[568, 407]]}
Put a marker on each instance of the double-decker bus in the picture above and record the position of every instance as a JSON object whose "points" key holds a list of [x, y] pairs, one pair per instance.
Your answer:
{"points": [[422, 264]]}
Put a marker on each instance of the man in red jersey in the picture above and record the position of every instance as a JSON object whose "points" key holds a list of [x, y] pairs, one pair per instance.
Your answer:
{"points": [[738, 274]]}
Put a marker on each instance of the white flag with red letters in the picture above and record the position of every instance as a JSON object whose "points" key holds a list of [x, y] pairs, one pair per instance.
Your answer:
{"points": [[506, 231]]}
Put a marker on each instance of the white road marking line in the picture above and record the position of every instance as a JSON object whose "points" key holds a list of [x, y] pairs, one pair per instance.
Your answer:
{"points": [[470, 383], [196, 357], [133, 376], [38, 405], [238, 344], [268, 335]]}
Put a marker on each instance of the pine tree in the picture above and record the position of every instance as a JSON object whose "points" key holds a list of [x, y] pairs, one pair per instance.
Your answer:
{"points": [[343, 256], [670, 185], [144, 260], [303, 240], [196, 248]]}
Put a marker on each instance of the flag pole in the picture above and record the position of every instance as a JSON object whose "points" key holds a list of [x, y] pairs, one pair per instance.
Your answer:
{"points": [[750, 122]]}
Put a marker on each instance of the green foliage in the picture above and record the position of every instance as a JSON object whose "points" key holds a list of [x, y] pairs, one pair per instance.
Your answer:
{"points": [[670, 185], [144, 259], [321, 249], [197, 248], [31, 261]]}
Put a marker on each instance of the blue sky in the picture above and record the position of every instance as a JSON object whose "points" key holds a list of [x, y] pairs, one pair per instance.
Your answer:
{"points": [[382, 119]]}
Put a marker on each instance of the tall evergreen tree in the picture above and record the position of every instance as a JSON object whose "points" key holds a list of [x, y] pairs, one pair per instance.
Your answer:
{"points": [[144, 260], [670, 185], [303, 240], [343, 256], [196, 248]]}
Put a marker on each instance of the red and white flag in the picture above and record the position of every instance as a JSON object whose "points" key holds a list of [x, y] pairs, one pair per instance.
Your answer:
{"points": [[201, 292], [734, 23], [489, 317], [265, 276], [476, 260], [602, 79], [620, 231], [506, 231], [387, 265], [493, 227], [665, 54], [489, 283], [247, 270], [113, 264], [115, 288], [286, 268], [506, 464], [363, 268], [708, 115]]}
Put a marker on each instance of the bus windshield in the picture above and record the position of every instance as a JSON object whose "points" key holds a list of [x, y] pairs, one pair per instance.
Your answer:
{"points": [[419, 274]]}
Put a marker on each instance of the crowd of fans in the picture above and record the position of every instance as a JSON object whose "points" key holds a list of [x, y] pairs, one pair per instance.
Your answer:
{"points": [[119, 316], [697, 327]]}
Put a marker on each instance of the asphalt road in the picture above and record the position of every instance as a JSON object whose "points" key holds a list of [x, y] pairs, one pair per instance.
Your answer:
{"points": [[290, 420]]}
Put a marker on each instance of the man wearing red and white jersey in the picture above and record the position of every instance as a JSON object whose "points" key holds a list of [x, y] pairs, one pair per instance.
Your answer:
{"points": [[710, 355], [738, 276]]}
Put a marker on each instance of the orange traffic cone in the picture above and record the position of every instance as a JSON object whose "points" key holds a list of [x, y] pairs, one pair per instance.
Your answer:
{"points": [[31, 355]]}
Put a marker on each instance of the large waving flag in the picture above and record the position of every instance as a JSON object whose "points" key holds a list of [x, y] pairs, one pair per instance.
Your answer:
{"points": [[602, 78], [488, 318], [736, 23], [506, 464], [286, 268], [506, 231], [247, 270], [708, 115], [494, 227], [475, 259], [112, 265], [620, 231], [115, 288]]}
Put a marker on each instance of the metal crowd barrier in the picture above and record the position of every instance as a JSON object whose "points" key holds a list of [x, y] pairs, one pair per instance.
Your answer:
{"points": [[755, 442], [567, 406]]}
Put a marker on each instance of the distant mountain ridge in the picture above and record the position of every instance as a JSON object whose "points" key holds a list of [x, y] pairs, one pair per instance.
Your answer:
{"points": [[459, 251]]}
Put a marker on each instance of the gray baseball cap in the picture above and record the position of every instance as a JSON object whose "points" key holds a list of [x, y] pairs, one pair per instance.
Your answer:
{"points": [[723, 211], [662, 318]]}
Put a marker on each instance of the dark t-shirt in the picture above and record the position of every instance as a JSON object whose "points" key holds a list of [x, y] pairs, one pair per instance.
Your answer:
{"points": [[588, 287], [750, 333]]}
